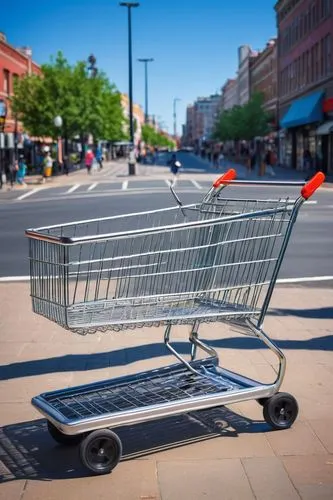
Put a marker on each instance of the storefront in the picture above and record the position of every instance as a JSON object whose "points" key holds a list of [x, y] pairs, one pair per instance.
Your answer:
{"points": [[300, 124]]}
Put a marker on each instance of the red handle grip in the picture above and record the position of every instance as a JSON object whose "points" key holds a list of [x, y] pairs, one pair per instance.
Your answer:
{"points": [[314, 183], [228, 176]]}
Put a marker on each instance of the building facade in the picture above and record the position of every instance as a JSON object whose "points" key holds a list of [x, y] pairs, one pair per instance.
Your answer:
{"points": [[14, 63], [305, 90], [245, 53], [229, 97], [263, 78]]}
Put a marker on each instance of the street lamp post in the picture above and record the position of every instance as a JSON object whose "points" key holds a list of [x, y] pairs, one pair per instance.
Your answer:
{"points": [[3, 115], [146, 61], [129, 6], [176, 99], [58, 124]]}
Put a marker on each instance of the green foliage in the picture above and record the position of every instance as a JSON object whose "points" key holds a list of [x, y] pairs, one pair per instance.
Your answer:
{"points": [[243, 122], [154, 138], [87, 105]]}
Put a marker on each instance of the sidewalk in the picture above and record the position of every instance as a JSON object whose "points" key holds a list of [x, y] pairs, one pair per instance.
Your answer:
{"points": [[226, 453], [118, 171]]}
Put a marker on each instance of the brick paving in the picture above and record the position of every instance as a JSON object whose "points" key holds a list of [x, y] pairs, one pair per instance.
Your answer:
{"points": [[225, 453]]}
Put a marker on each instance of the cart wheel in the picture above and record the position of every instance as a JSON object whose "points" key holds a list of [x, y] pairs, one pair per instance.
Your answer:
{"points": [[262, 401], [101, 451], [62, 438], [281, 410]]}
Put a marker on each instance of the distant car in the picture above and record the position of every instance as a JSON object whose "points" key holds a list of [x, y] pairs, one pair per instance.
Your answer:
{"points": [[186, 149]]}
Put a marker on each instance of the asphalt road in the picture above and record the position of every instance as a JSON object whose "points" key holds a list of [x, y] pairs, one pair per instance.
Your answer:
{"points": [[310, 252]]}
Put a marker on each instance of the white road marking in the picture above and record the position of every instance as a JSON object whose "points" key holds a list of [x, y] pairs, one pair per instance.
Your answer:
{"points": [[167, 182], [281, 281], [92, 186], [73, 188], [196, 184], [124, 185], [25, 195], [311, 202], [305, 279]]}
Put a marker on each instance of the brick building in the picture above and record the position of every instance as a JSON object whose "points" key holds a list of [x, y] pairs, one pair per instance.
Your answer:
{"points": [[229, 94], [305, 74], [263, 78], [14, 62], [245, 54]]}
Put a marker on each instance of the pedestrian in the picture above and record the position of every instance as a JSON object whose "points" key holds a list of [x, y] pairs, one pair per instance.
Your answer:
{"points": [[22, 168], [268, 162], [10, 169], [307, 160], [66, 165], [89, 160], [174, 167], [47, 166], [99, 157]]}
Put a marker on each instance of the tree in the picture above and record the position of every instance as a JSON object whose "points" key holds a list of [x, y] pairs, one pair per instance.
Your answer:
{"points": [[156, 138], [87, 105], [243, 122]]}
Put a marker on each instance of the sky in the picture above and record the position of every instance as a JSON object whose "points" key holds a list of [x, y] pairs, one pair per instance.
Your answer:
{"points": [[194, 43]]}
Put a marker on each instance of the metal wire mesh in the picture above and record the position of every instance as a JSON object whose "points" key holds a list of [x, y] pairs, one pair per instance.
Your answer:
{"points": [[210, 262], [156, 388]]}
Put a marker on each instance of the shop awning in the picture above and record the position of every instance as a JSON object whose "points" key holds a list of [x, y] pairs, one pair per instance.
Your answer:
{"points": [[305, 110], [325, 129]]}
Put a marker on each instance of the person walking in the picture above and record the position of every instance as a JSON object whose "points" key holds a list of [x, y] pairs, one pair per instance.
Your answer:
{"points": [[99, 157], [22, 169], [47, 167], [174, 167], [89, 160], [10, 169]]}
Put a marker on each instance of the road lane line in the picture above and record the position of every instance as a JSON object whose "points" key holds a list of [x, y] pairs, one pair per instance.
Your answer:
{"points": [[92, 186], [73, 188], [305, 279], [25, 195], [196, 184], [124, 185]]}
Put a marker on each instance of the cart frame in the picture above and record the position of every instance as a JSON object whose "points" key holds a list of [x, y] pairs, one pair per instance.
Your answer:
{"points": [[197, 384]]}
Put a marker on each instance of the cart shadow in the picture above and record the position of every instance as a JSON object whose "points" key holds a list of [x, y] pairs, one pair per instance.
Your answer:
{"points": [[28, 452], [122, 357]]}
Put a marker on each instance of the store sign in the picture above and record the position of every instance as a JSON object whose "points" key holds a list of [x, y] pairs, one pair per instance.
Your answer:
{"points": [[328, 105]]}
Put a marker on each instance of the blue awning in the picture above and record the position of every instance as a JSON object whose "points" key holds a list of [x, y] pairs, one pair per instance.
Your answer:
{"points": [[305, 110]]}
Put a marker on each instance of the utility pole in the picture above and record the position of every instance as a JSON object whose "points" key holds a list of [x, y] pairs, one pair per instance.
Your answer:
{"points": [[129, 6], [146, 61]]}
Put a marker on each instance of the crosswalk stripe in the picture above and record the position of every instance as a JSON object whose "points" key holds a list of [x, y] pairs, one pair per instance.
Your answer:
{"points": [[73, 188], [167, 182], [196, 184], [124, 185], [25, 195], [92, 186]]}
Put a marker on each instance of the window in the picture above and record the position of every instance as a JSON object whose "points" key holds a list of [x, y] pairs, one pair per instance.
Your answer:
{"points": [[317, 61], [313, 15], [328, 54], [6, 81], [15, 78], [308, 72]]}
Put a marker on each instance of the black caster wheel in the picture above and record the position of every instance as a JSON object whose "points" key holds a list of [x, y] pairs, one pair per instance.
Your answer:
{"points": [[262, 401], [281, 410], [100, 451], [62, 438]]}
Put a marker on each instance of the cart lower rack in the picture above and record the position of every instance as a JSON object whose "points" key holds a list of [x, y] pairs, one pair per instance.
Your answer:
{"points": [[213, 261]]}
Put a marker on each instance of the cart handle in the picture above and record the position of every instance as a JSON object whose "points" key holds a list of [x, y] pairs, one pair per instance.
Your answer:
{"points": [[230, 175], [314, 183]]}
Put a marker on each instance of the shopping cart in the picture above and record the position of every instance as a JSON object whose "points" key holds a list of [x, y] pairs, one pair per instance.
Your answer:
{"points": [[214, 261]]}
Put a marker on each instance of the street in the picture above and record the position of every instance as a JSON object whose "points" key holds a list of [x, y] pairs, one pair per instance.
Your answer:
{"points": [[310, 252]]}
